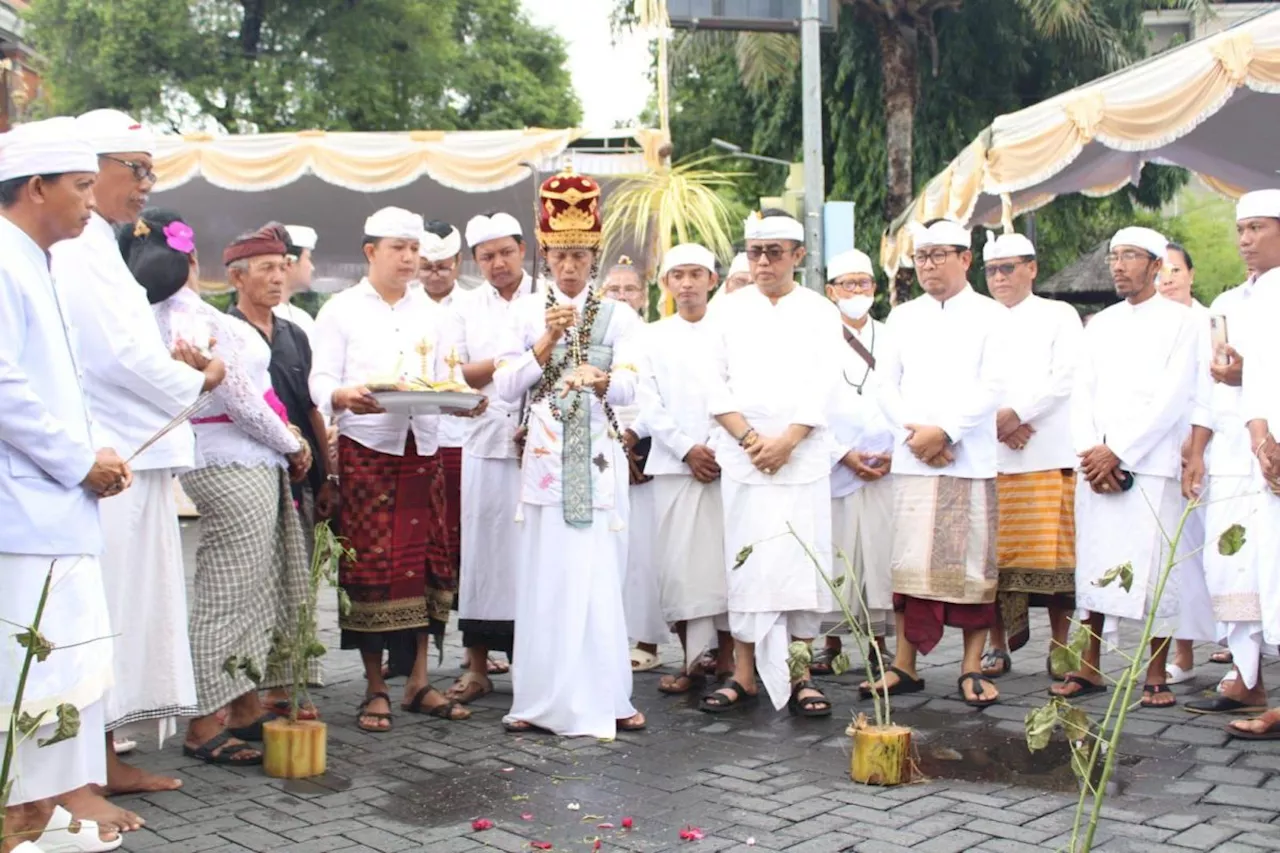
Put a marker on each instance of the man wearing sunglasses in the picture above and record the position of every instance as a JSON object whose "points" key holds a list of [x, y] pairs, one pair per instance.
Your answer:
{"points": [[939, 384], [1132, 400], [1035, 486]]}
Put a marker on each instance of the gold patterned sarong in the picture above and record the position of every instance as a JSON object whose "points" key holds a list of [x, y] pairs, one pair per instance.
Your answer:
{"points": [[1035, 546], [942, 539]]}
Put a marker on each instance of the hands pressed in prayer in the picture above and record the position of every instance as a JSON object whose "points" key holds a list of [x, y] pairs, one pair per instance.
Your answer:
{"points": [[583, 377], [929, 444], [770, 454], [214, 369], [1007, 421], [867, 466], [560, 318], [1100, 468], [1018, 439], [702, 461], [109, 476], [357, 399], [327, 501], [1231, 373]]}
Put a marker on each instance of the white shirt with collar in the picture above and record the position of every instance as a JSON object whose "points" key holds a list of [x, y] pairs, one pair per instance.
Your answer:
{"points": [[1135, 384], [945, 365], [478, 326], [675, 391], [453, 431], [777, 365], [360, 337], [1260, 347], [1219, 405], [296, 316], [45, 445], [134, 385], [1044, 339], [857, 424]]}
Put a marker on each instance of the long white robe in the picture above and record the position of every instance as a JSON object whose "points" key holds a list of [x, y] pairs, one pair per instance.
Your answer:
{"points": [[574, 671], [1195, 606], [1134, 389], [776, 366], [641, 590]]}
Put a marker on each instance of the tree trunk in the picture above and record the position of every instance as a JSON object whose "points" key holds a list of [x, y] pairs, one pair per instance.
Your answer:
{"points": [[900, 73]]}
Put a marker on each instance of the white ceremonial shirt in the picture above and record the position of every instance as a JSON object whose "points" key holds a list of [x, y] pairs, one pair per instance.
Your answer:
{"points": [[1044, 347], [360, 338], [296, 316], [452, 430], [856, 420], [238, 427], [45, 445], [945, 365], [479, 325], [674, 392], [541, 470], [133, 383], [1218, 405], [776, 365], [1135, 384], [1260, 397]]}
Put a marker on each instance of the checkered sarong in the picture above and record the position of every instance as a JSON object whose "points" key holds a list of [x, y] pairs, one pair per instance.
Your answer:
{"points": [[251, 574]]}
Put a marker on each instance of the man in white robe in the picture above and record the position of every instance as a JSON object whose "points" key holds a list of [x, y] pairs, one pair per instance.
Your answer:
{"points": [[939, 384], [302, 246], [1036, 480], [491, 556], [775, 354], [1134, 389], [688, 515], [861, 488], [135, 387], [568, 351], [51, 479]]}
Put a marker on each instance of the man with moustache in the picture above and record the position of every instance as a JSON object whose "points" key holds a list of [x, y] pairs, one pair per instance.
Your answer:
{"points": [[939, 384], [1035, 484], [1134, 389], [135, 387]]}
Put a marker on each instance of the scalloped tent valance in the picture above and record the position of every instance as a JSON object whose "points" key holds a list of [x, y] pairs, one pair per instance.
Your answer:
{"points": [[1210, 106]]}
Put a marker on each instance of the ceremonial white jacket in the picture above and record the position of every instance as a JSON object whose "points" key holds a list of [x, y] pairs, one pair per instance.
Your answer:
{"points": [[134, 385], [1218, 405], [45, 445], [675, 391]]}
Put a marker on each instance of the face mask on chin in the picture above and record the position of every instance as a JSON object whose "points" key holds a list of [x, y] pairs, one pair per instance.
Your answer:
{"points": [[856, 307]]}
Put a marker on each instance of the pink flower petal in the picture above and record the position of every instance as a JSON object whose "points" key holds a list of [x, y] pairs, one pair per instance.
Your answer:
{"points": [[604, 826], [480, 824], [596, 846], [627, 823], [540, 845], [527, 816], [692, 833]]}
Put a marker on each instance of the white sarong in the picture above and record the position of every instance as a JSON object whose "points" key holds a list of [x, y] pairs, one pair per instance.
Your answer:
{"points": [[1195, 607], [1129, 527], [1233, 580], [641, 595], [862, 531], [78, 671], [776, 593], [491, 553], [146, 587], [689, 551]]}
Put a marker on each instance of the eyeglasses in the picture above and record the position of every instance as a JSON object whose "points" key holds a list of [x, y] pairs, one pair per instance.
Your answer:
{"points": [[141, 171], [773, 253], [933, 256], [1005, 269], [443, 268], [1128, 256], [851, 285]]}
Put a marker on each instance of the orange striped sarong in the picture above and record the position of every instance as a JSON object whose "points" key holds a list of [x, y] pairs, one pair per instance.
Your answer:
{"points": [[1035, 546]]}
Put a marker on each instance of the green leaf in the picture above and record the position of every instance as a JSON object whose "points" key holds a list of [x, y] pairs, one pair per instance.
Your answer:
{"points": [[36, 642], [231, 666], [840, 664], [1064, 659], [743, 556], [1231, 540], [838, 582], [5, 792], [344, 602], [1122, 573], [316, 650], [1075, 724], [251, 671], [68, 725], [28, 724], [1039, 725], [799, 655]]}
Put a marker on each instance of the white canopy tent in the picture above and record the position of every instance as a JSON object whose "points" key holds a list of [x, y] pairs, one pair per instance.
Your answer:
{"points": [[1211, 105]]}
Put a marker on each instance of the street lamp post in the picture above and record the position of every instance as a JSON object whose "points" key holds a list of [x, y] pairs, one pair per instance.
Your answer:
{"points": [[811, 119]]}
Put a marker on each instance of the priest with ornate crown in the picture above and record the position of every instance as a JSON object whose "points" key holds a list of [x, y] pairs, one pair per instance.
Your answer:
{"points": [[567, 351]]}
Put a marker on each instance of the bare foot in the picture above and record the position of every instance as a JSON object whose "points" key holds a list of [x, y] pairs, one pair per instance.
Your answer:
{"points": [[634, 723], [126, 779], [85, 804]]}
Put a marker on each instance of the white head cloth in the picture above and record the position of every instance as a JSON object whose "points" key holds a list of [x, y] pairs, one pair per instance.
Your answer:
{"points": [[773, 228], [944, 232], [484, 228], [1007, 246], [114, 132], [394, 222], [686, 254], [50, 147], [303, 236], [436, 248], [1258, 203], [1143, 238], [740, 265], [848, 263]]}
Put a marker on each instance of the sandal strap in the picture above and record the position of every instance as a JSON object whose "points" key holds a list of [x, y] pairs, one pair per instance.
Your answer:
{"points": [[368, 700]]}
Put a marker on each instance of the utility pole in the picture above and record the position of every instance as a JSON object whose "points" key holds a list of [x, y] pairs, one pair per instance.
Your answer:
{"points": [[814, 174]]}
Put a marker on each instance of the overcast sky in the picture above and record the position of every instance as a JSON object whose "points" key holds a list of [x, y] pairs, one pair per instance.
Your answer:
{"points": [[611, 80]]}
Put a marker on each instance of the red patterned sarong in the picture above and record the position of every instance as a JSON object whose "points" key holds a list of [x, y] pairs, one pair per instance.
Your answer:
{"points": [[394, 519], [452, 459]]}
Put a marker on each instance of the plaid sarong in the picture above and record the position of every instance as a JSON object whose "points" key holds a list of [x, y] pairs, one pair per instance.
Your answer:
{"points": [[451, 459], [251, 575], [1035, 546]]}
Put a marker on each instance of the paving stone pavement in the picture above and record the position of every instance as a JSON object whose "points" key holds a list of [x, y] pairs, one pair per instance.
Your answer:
{"points": [[756, 780]]}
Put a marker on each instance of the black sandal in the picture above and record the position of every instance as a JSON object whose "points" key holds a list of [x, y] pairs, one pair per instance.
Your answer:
{"points": [[993, 657], [974, 680], [209, 752], [362, 713], [1149, 690], [444, 710], [810, 706], [820, 663], [1087, 687], [906, 684], [716, 702], [253, 731]]}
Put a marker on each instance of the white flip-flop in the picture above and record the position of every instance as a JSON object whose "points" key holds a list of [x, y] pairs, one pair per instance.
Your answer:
{"points": [[642, 661], [59, 837], [27, 847], [1178, 675], [124, 746], [1227, 679]]}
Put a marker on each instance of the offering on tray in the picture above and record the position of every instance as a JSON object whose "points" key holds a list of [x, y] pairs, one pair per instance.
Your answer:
{"points": [[415, 395]]}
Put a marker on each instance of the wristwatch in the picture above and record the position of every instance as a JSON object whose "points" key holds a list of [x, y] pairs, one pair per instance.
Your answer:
{"points": [[332, 478]]}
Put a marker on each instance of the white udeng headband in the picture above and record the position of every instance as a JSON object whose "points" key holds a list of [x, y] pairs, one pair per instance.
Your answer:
{"points": [[944, 232], [773, 228], [686, 254], [1007, 246], [848, 263], [482, 229], [1144, 238], [435, 248], [1258, 203]]}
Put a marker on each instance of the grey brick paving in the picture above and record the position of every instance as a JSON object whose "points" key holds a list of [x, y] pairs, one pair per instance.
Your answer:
{"points": [[757, 781]]}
